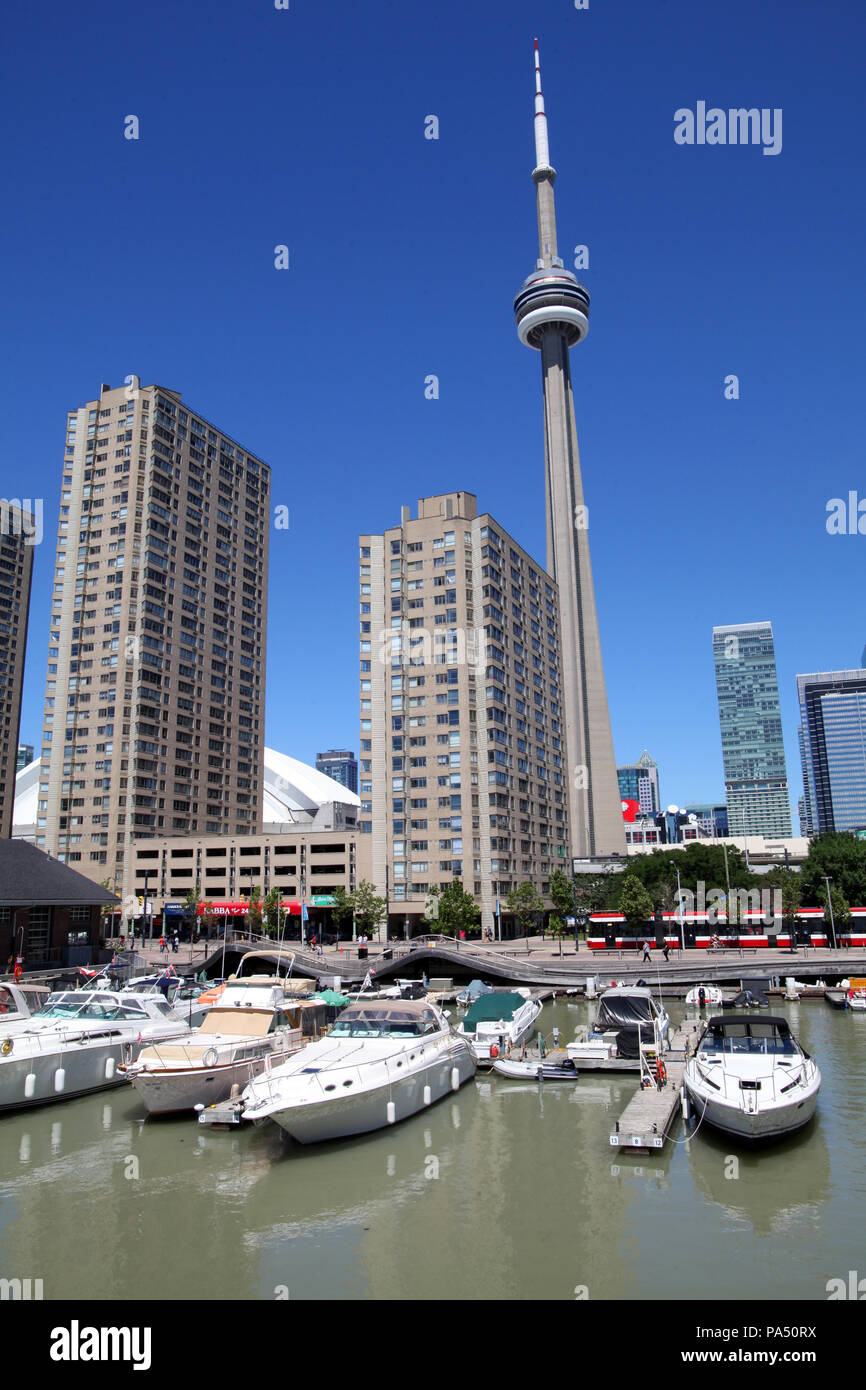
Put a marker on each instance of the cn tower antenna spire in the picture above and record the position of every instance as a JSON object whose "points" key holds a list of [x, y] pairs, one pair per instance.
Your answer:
{"points": [[542, 150]]}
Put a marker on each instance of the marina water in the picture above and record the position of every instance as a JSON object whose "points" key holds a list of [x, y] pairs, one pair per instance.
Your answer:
{"points": [[505, 1190]]}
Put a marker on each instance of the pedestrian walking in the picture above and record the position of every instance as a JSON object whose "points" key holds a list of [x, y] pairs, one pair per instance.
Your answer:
{"points": [[162, 945], [646, 951], [666, 950], [175, 943]]}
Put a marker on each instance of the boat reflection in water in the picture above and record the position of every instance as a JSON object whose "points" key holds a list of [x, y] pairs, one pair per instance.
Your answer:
{"points": [[771, 1191]]}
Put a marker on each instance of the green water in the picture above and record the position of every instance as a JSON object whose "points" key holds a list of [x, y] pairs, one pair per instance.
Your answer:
{"points": [[507, 1190]]}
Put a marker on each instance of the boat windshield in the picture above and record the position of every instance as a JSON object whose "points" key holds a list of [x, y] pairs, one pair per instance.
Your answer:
{"points": [[84, 1005], [757, 1038], [370, 1022]]}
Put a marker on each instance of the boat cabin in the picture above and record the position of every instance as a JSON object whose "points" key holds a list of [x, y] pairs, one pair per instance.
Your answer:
{"points": [[745, 1034]]}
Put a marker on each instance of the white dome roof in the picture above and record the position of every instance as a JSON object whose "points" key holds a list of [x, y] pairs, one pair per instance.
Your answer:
{"points": [[290, 786], [26, 796]]}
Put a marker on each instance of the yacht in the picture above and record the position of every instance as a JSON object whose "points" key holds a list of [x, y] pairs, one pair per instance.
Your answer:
{"points": [[627, 1015], [76, 1041], [498, 1022], [251, 1024], [382, 1061], [751, 1078]]}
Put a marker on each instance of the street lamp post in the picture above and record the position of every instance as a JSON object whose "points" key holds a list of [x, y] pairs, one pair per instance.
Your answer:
{"points": [[680, 910], [830, 905]]}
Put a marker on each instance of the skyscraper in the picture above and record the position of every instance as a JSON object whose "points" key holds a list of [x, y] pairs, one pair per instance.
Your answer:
{"points": [[640, 782], [832, 738], [551, 311], [25, 756], [16, 568], [154, 705], [342, 765], [753, 750], [463, 770]]}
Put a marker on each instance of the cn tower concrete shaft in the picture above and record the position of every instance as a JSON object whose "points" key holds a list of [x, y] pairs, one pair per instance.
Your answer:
{"points": [[552, 311]]}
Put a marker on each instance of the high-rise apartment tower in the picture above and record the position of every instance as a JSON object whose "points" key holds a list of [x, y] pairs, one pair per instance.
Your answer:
{"points": [[154, 705]]}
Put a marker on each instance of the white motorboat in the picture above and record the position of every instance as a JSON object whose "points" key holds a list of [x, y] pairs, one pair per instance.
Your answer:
{"points": [[857, 1000], [498, 1022], [702, 995], [627, 1015], [751, 1078], [252, 1023], [382, 1061], [76, 1042]]}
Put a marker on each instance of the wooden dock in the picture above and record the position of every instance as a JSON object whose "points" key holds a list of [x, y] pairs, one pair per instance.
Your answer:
{"points": [[646, 1120]]}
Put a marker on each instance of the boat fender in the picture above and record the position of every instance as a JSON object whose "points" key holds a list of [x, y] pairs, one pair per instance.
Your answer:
{"points": [[391, 1112], [455, 1079], [494, 1051], [428, 1095], [7, 1047], [210, 1058]]}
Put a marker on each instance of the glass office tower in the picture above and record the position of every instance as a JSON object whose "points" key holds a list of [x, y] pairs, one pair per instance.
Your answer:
{"points": [[756, 781], [833, 749]]}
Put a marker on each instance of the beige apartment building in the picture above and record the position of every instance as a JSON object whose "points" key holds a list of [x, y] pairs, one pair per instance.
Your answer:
{"points": [[154, 704], [17, 537], [306, 866], [463, 765]]}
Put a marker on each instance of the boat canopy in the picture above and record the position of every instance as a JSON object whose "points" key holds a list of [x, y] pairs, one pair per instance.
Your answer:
{"points": [[625, 1009], [489, 1008], [746, 1033]]}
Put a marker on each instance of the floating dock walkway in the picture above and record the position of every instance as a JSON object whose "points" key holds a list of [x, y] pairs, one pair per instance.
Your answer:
{"points": [[646, 1120]]}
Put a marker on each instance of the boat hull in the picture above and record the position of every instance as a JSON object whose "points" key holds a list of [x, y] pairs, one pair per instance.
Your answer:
{"points": [[85, 1068], [169, 1092], [315, 1121], [772, 1122], [536, 1071]]}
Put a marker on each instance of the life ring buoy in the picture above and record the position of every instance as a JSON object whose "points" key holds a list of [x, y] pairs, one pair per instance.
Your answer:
{"points": [[210, 1058], [7, 1047]]}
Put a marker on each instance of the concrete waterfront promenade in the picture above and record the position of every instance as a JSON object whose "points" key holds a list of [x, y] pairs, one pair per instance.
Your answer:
{"points": [[529, 961]]}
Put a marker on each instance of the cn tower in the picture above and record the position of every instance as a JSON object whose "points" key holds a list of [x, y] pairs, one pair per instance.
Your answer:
{"points": [[552, 310]]}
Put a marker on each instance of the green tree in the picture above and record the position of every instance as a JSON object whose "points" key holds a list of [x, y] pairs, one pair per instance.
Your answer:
{"points": [[525, 904], [635, 903], [557, 928], [457, 910], [790, 885], [190, 910], [841, 910], [369, 908], [343, 909], [254, 910], [561, 893], [843, 858], [270, 913]]}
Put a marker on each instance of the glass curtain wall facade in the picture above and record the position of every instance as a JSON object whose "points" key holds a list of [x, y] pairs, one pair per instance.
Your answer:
{"points": [[756, 782], [833, 749]]}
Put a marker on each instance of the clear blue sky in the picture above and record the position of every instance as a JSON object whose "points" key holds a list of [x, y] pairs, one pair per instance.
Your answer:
{"points": [[306, 127]]}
